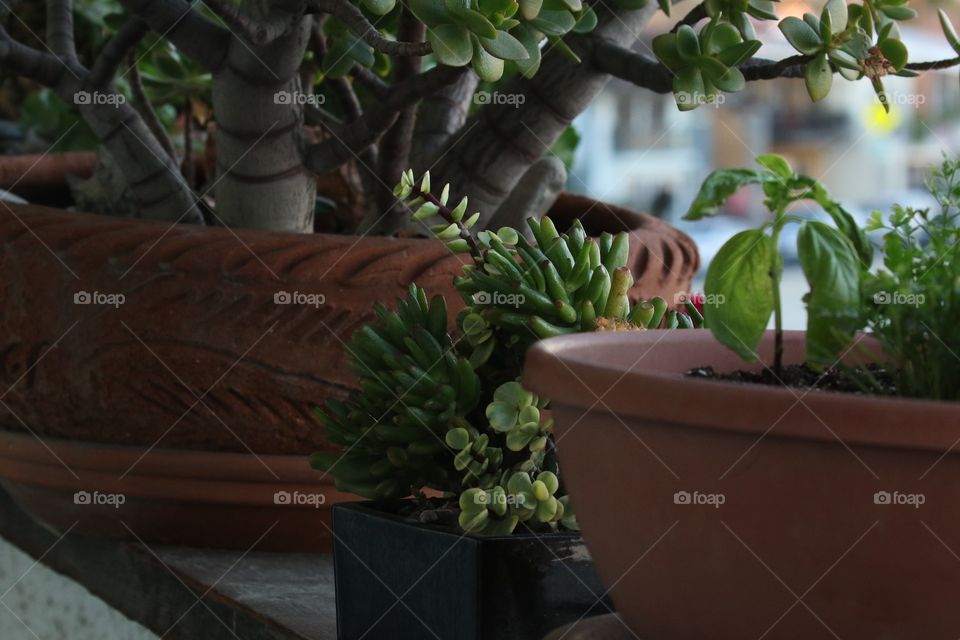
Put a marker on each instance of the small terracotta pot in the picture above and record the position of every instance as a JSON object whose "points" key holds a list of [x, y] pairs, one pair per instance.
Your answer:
{"points": [[733, 511]]}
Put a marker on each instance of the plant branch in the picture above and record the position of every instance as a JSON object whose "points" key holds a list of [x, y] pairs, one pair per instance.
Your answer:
{"points": [[256, 31], [205, 42], [142, 104], [398, 140], [117, 49], [60, 36], [447, 214], [361, 27], [366, 130], [370, 80], [934, 64], [631, 66], [30, 63], [694, 16]]}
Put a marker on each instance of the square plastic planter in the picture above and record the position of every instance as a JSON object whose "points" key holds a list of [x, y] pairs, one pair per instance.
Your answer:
{"points": [[402, 580]]}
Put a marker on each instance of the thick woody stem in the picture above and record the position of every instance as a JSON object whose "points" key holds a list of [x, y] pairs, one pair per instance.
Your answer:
{"points": [[361, 27], [60, 36]]}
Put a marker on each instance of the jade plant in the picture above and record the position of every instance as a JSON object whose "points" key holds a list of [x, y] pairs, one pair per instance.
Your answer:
{"points": [[449, 414], [480, 91], [910, 304]]}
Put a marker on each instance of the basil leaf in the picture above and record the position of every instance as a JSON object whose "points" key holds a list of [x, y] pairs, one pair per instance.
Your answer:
{"points": [[739, 291], [832, 269], [719, 186]]}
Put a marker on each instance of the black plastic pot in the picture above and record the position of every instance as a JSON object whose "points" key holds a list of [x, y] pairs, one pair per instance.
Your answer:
{"points": [[401, 580]]}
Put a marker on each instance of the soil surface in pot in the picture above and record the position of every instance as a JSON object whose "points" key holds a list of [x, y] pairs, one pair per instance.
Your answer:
{"points": [[803, 376]]}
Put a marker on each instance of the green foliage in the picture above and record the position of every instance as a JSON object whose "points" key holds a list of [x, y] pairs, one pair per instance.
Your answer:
{"points": [[913, 302], [704, 63], [743, 280], [857, 40], [52, 119], [451, 415], [482, 33]]}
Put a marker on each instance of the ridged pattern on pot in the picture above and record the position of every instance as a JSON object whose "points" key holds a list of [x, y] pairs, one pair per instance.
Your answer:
{"points": [[199, 320]]}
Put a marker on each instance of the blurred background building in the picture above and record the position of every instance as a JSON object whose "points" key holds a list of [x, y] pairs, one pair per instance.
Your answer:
{"points": [[637, 149]]}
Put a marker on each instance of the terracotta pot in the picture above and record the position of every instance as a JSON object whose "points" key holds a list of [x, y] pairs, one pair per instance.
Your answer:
{"points": [[199, 355], [194, 498], [43, 176], [732, 511]]}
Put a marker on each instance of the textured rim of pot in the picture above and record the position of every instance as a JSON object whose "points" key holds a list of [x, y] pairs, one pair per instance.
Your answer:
{"points": [[641, 374]]}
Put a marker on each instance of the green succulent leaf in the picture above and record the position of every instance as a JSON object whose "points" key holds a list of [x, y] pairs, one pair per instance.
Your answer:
{"points": [[739, 291], [799, 34], [665, 48], [894, 51], [476, 22], [431, 12], [725, 78], [586, 21], [530, 65], [818, 77], [488, 67], [739, 53], [948, 31], [837, 10], [688, 44], [898, 12], [554, 22], [379, 7], [451, 44], [832, 269], [505, 47], [530, 9], [688, 89]]}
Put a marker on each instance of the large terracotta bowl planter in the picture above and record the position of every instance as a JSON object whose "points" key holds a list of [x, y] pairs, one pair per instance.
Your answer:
{"points": [[729, 511], [156, 337], [219, 339], [194, 498]]}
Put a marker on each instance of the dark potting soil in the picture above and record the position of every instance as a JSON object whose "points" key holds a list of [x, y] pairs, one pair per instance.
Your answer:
{"points": [[801, 376]]}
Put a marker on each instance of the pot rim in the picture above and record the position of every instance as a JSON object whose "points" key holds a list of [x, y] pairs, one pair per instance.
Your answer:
{"points": [[601, 373], [141, 461]]}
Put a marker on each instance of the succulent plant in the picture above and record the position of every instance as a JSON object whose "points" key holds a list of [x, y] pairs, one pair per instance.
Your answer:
{"points": [[450, 415]]}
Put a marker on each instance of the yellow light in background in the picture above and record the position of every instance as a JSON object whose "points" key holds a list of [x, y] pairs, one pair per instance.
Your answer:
{"points": [[878, 120]]}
